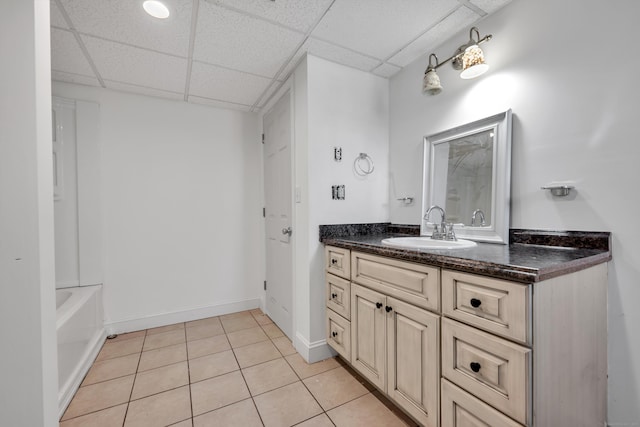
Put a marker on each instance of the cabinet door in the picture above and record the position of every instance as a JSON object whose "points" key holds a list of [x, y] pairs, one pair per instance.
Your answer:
{"points": [[413, 354], [368, 334]]}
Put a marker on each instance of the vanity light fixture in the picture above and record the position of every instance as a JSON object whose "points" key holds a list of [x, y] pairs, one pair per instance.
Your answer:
{"points": [[156, 9], [469, 58]]}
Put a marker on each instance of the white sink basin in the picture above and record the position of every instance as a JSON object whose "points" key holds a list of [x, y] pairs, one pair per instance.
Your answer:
{"points": [[428, 243]]}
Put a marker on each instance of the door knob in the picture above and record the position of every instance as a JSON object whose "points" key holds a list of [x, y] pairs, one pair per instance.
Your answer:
{"points": [[287, 230], [378, 305]]}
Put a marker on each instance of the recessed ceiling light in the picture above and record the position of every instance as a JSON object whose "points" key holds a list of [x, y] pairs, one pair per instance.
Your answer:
{"points": [[156, 9]]}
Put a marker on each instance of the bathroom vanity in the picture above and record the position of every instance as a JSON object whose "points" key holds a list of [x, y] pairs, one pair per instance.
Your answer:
{"points": [[495, 335]]}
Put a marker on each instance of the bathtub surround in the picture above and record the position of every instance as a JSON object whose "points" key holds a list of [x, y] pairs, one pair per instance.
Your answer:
{"points": [[181, 196], [78, 209], [81, 334]]}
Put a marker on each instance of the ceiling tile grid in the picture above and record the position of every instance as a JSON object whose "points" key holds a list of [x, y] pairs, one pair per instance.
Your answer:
{"points": [[241, 42], [61, 76], [132, 65], [222, 84], [379, 28], [57, 19], [459, 20], [386, 70], [126, 22], [295, 14], [66, 54], [143, 90], [242, 50], [333, 53]]}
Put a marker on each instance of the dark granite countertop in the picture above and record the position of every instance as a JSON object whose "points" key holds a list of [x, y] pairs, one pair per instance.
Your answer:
{"points": [[531, 256]]}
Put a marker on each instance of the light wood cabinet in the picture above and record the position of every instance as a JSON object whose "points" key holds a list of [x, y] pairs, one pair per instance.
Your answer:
{"points": [[413, 360], [368, 334], [501, 353], [461, 409]]}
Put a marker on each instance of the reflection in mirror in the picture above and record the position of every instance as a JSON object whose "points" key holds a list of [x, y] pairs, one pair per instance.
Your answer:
{"points": [[467, 172], [468, 168]]}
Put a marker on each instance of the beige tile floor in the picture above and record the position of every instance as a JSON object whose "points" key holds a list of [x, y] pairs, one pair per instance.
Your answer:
{"points": [[232, 370]]}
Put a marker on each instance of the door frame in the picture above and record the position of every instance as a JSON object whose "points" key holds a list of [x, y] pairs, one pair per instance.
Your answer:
{"points": [[287, 89]]}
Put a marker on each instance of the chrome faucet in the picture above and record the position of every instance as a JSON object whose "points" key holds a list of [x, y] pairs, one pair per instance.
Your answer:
{"points": [[473, 218], [445, 231]]}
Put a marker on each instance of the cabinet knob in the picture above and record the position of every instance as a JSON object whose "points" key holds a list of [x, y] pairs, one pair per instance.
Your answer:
{"points": [[378, 304], [388, 309], [334, 261], [475, 366], [334, 295], [334, 334], [475, 303]]}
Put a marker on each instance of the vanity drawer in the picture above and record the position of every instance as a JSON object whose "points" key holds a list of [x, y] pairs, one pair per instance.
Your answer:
{"points": [[339, 295], [497, 306], [339, 334], [413, 283], [338, 261], [493, 369], [460, 409]]}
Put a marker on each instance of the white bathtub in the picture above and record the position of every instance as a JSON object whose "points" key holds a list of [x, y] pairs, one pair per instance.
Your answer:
{"points": [[80, 329]]}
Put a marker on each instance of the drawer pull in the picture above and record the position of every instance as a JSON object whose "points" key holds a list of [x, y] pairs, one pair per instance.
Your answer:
{"points": [[334, 296], [388, 308], [334, 334], [475, 303], [475, 366], [378, 305], [334, 261]]}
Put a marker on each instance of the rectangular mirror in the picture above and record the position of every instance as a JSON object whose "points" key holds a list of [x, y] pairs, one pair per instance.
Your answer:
{"points": [[467, 172]]}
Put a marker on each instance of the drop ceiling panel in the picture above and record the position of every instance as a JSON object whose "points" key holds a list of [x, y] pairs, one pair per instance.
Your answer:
{"points": [[233, 40], [125, 21], [127, 64], [141, 90], [386, 70], [269, 93], [222, 84], [57, 20], [380, 28], [296, 14], [333, 53], [219, 104], [459, 20], [66, 54], [60, 76], [489, 6]]}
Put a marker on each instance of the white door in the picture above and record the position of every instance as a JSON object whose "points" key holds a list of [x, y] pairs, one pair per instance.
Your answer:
{"points": [[278, 202]]}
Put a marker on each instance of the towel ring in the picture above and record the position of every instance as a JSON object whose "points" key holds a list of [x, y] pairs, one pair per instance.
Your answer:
{"points": [[359, 168]]}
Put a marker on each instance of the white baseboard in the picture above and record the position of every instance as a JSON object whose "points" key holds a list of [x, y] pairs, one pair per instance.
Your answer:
{"points": [[163, 319], [313, 351], [68, 390]]}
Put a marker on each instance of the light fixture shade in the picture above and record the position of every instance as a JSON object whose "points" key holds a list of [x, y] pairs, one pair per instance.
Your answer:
{"points": [[473, 64], [431, 83], [156, 9]]}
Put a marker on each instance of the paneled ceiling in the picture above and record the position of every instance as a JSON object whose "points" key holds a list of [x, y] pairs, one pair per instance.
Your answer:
{"points": [[237, 53]]}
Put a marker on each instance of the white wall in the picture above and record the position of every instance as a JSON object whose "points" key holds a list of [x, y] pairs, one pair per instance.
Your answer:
{"points": [[182, 208], [566, 70], [28, 368], [334, 106]]}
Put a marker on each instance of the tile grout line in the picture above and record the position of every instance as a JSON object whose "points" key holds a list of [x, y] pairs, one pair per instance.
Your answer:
{"points": [[186, 345], [126, 412]]}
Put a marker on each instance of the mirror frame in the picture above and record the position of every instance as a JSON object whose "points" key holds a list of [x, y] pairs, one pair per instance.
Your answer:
{"points": [[498, 230]]}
